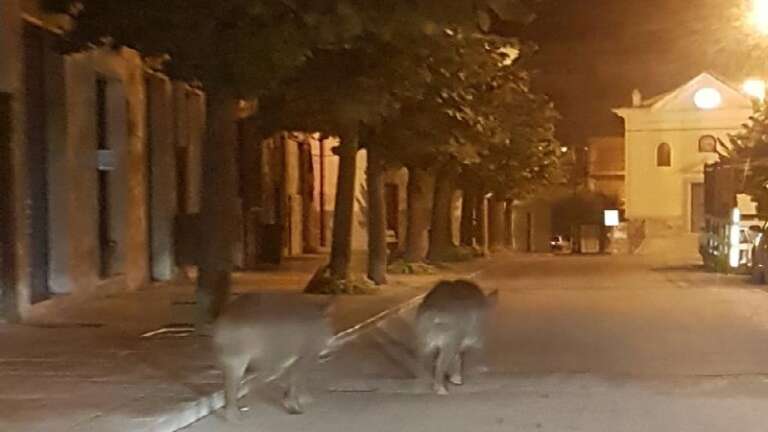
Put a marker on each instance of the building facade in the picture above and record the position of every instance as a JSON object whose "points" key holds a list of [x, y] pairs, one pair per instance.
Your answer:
{"points": [[103, 156], [606, 167], [668, 139]]}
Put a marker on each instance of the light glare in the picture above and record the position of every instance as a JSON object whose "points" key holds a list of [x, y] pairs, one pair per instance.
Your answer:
{"points": [[755, 88], [734, 252], [611, 218], [759, 16], [707, 98]]}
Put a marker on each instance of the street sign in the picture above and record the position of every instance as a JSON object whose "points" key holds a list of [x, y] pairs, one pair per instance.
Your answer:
{"points": [[611, 218]]}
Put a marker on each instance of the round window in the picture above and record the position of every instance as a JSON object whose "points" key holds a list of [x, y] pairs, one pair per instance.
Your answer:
{"points": [[707, 98]]}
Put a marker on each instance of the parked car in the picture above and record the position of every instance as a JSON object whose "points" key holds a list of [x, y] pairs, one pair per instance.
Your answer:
{"points": [[759, 267], [560, 243]]}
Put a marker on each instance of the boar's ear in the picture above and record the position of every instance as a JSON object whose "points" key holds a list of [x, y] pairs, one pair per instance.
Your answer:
{"points": [[493, 298]]}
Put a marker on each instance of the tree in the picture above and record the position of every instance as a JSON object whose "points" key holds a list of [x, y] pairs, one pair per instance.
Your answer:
{"points": [[522, 153], [244, 49], [480, 120], [747, 150], [431, 135], [345, 92], [237, 49], [363, 85]]}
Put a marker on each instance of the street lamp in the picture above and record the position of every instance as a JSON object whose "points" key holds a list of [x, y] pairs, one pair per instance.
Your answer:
{"points": [[755, 88], [759, 16]]}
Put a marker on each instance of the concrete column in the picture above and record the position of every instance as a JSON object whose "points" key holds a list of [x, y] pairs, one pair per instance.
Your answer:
{"points": [[136, 210], [75, 248], [162, 177], [73, 183], [293, 198], [189, 133], [62, 167]]}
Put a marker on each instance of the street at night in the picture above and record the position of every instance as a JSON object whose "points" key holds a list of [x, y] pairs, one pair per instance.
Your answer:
{"points": [[390, 215], [577, 344]]}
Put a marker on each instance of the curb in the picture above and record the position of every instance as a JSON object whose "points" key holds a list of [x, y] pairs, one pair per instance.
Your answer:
{"points": [[190, 412]]}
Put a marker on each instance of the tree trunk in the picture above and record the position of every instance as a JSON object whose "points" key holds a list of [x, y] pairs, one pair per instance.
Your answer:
{"points": [[441, 234], [218, 214], [468, 206], [344, 213], [497, 224], [377, 218], [421, 185]]}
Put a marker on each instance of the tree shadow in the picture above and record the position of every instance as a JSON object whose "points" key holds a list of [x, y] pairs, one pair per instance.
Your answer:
{"points": [[686, 268]]}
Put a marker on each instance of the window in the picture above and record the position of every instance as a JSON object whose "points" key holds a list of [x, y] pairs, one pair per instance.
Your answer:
{"points": [[707, 144], [664, 155]]}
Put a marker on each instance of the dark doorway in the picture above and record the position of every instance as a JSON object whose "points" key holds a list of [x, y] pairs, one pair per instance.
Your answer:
{"points": [[182, 179], [272, 249], [37, 160], [7, 223], [106, 242], [697, 207], [149, 100], [529, 232], [307, 185], [392, 197]]}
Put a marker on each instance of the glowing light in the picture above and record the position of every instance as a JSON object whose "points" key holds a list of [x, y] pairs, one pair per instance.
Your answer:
{"points": [[708, 98], [754, 88], [759, 16], [611, 218], [734, 253]]}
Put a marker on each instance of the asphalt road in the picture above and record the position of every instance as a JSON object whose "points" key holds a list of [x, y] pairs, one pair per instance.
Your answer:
{"points": [[604, 343]]}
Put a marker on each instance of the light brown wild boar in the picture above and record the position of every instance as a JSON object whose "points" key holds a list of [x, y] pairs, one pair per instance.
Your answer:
{"points": [[451, 321], [276, 335]]}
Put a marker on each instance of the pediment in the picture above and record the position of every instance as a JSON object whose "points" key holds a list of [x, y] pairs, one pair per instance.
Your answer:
{"points": [[683, 98]]}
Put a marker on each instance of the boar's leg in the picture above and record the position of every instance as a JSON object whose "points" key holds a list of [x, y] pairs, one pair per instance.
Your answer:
{"points": [[445, 357], [292, 400], [455, 376], [233, 368]]}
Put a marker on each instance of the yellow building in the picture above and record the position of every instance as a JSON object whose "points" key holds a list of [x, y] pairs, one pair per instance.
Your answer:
{"points": [[668, 139]]}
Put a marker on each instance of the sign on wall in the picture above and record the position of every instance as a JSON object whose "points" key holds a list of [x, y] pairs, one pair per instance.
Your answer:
{"points": [[611, 218]]}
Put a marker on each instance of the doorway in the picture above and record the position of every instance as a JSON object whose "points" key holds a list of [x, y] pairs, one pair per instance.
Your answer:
{"points": [[7, 223], [392, 197], [697, 207], [528, 232], [36, 147]]}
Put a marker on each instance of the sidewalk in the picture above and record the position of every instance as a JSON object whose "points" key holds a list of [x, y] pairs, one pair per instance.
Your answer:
{"points": [[82, 365]]}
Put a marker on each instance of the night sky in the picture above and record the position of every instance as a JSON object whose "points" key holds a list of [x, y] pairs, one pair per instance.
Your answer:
{"points": [[593, 53]]}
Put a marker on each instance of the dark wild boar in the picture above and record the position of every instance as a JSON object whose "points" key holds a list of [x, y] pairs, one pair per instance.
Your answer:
{"points": [[277, 336], [451, 321]]}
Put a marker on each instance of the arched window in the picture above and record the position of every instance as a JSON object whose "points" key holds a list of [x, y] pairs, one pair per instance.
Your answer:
{"points": [[707, 144], [664, 155]]}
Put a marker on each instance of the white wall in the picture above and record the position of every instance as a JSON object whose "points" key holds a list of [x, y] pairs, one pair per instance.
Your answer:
{"points": [[663, 193]]}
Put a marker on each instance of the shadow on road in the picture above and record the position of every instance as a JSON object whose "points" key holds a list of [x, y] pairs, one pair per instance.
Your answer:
{"points": [[686, 268]]}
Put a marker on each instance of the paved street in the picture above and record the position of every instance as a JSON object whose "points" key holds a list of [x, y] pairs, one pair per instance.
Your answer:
{"points": [[641, 343]]}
